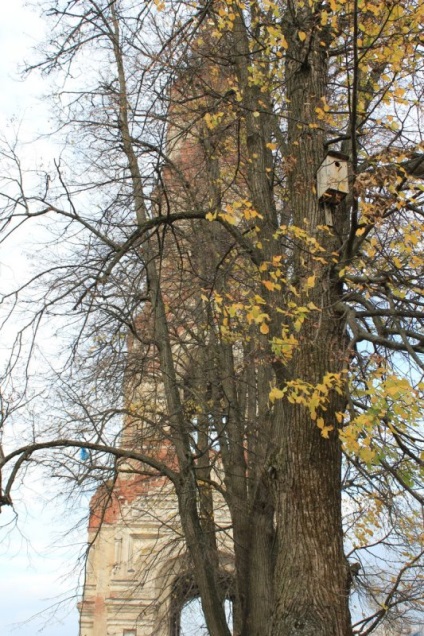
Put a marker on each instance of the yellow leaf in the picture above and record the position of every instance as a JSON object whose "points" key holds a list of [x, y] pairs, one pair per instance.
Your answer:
{"points": [[264, 328], [284, 43], [302, 36], [320, 423], [276, 394], [310, 282], [269, 285]]}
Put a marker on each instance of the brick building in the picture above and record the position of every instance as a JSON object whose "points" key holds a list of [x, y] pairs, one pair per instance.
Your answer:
{"points": [[138, 574]]}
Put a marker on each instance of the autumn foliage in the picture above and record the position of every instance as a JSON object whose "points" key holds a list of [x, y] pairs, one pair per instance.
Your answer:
{"points": [[276, 339]]}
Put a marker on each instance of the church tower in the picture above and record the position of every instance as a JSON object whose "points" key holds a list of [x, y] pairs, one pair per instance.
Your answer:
{"points": [[138, 572]]}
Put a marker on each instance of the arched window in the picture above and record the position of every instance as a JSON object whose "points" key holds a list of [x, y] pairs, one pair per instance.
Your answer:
{"points": [[192, 619], [187, 614]]}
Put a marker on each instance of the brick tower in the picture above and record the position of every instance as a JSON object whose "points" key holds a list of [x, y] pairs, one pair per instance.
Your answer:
{"points": [[138, 573]]}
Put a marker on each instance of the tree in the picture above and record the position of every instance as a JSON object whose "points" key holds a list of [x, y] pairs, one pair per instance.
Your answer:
{"points": [[277, 336]]}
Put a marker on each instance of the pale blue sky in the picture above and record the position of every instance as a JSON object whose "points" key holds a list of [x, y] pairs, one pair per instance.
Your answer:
{"points": [[34, 574], [36, 571]]}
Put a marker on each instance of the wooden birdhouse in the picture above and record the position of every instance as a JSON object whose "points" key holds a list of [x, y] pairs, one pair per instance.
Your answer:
{"points": [[332, 178]]}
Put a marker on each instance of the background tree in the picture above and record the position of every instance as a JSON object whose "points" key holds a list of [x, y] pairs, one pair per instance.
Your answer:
{"points": [[202, 273]]}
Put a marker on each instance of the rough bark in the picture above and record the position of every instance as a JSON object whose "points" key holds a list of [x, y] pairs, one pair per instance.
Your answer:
{"points": [[312, 578]]}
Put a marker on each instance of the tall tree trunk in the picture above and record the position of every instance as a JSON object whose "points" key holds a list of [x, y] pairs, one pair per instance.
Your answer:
{"points": [[312, 577]]}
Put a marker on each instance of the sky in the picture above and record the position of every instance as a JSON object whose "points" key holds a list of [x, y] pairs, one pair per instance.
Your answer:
{"points": [[37, 564]]}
